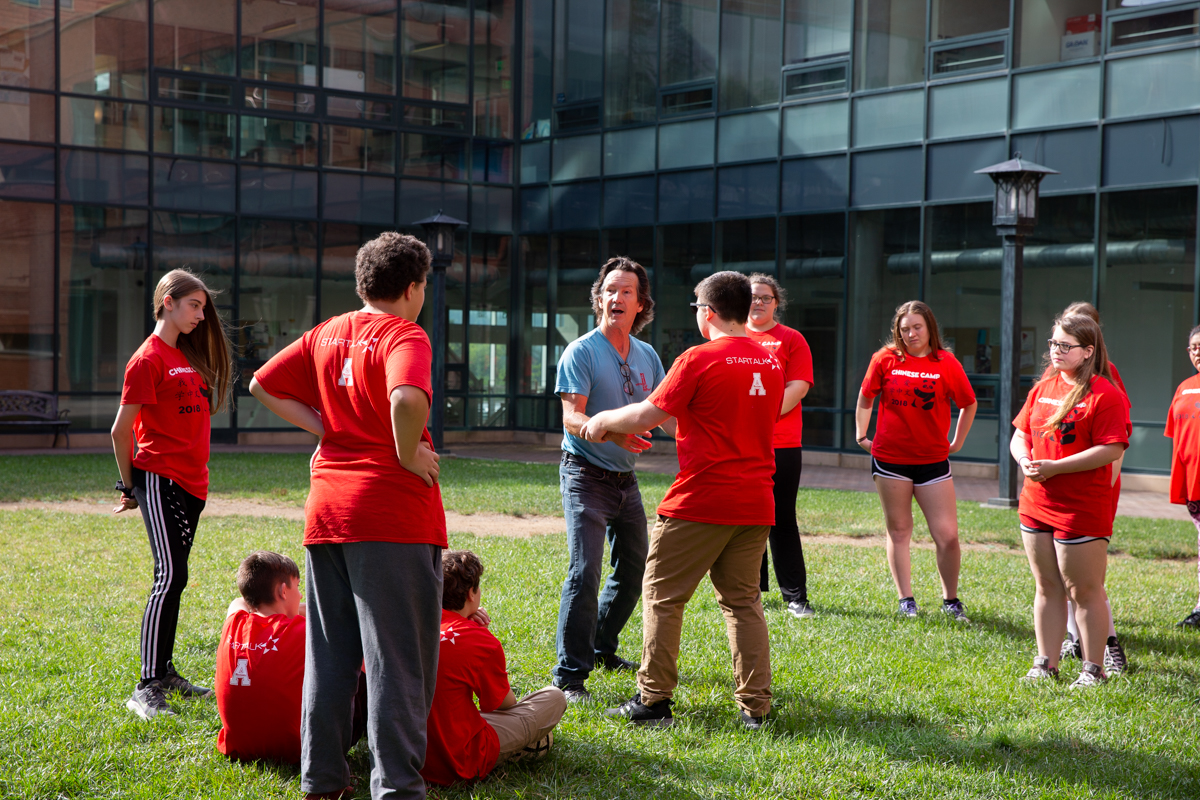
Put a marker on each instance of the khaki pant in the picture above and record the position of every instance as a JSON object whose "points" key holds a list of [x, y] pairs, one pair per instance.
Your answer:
{"points": [[528, 722], [681, 552]]}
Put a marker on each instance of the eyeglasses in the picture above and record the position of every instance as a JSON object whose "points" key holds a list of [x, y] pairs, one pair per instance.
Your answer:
{"points": [[762, 299], [699, 305], [1194, 349], [1061, 347], [627, 374]]}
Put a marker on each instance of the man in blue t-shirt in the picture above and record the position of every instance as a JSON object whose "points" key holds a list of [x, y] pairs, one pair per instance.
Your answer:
{"points": [[605, 368]]}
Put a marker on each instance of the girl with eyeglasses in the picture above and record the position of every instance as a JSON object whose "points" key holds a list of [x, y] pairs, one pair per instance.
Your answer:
{"points": [[1114, 654], [1183, 426], [768, 300], [1073, 426], [917, 379]]}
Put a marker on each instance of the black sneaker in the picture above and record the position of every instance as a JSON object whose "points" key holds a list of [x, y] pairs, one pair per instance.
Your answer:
{"points": [[1114, 657], [1071, 648], [753, 723], [800, 609], [1192, 620], [614, 663], [576, 693], [174, 682], [149, 701], [954, 610], [654, 716]]}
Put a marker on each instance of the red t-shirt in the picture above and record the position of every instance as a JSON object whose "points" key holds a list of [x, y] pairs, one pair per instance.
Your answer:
{"points": [[346, 369], [172, 428], [1074, 503], [1120, 384], [260, 674], [726, 396], [791, 348], [913, 425], [1116, 378], [1183, 425], [461, 745]]}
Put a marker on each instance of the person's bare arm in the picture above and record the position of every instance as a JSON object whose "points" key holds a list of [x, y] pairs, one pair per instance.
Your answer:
{"points": [[862, 420], [410, 409], [293, 411], [966, 417], [574, 419], [643, 416], [669, 427], [1092, 458], [793, 393], [122, 438], [509, 701]]}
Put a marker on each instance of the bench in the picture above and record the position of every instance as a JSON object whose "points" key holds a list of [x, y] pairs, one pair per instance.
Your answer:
{"points": [[31, 412]]}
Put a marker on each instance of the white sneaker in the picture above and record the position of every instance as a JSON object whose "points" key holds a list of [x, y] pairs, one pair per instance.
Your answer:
{"points": [[1040, 670], [149, 701], [1091, 675]]}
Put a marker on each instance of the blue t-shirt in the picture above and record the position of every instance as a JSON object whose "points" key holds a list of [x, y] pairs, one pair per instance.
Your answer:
{"points": [[591, 366]]}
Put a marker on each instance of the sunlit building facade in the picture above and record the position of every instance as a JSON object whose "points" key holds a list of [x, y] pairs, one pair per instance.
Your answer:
{"points": [[830, 142]]}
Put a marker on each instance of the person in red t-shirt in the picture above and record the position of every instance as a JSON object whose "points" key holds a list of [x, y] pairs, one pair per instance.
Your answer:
{"points": [[725, 395], [1073, 426], [374, 524], [791, 348], [917, 380], [1183, 427], [260, 664], [465, 744], [174, 383], [1114, 654]]}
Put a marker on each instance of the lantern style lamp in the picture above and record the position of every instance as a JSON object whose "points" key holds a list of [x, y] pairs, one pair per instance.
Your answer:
{"points": [[439, 238], [1014, 213]]}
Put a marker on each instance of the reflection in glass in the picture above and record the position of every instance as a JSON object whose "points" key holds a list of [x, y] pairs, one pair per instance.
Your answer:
{"points": [[27, 46], [816, 128], [537, 81], [202, 243], [535, 162], [26, 172], [434, 39], [955, 18], [577, 157], [197, 90], [689, 40], [889, 44], [745, 137], [965, 109], [435, 156], [494, 30], [578, 265], [491, 208], [95, 177], [26, 117], [279, 41], [104, 123], [579, 36], [889, 118], [686, 144], [748, 189], [279, 141], [814, 273], [687, 259], [491, 162], [339, 248], [1154, 84], [535, 355], [27, 326], [451, 119], [278, 191], [751, 50], [1056, 97], [364, 149], [747, 245], [488, 337], [105, 46], [632, 63], [629, 151], [194, 185], [360, 46], [196, 37], [816, 28], [103, 300], [268, 98], [188, 132], [366, 109]]}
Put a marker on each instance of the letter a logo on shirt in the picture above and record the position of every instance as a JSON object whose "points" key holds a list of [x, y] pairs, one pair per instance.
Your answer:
{"points": [[347, 378], [241, 673], [757, 387]]}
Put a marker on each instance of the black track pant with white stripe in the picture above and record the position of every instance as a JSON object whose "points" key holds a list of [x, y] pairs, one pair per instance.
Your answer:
{"points": [[171, 515]]}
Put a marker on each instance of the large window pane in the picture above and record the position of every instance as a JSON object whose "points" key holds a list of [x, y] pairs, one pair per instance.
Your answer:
{"points": [[535, 355], [751, 53], [689, 40], [1056, 97], [434, 156], [27, 324], [632, 62], [27, 45], [816, 128], [279, 192], [636, 243], [202, 243], [1146, 295], [26, 172], [629, 201], [885, 272], [889, 118], [102, 295], [889, 43], [746, 137], [490, 303], [1153, 84], [816, 28], [955, 18], [364, 149], [339, 248], [579, 39], [629, 151], [814, 273], [537, 82], [966, 109], [686, 144], [360, 198], [196, 37], [93, 177], [748, 190], [360, 46], [684, 196], [278, 141], [1041, 26], [279, 41], [493, 67], [193, 185], [747, 245], [687, 259], [105, 48], [104, 123], [435, 42], [577, 157], [25, 116], [578, 263], [189, 132]]}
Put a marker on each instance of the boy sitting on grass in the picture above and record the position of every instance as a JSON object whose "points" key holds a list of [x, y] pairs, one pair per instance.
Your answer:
{"points": [[465, 744], [260, 664]]}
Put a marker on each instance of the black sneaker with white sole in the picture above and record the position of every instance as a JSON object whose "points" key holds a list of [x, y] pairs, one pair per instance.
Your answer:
{"points": [[800, 609], [1071, 648], [1115, 661], [174, 682], [149, 701], [753, 723], [1192, 620], [614, 663], [657, 715]]}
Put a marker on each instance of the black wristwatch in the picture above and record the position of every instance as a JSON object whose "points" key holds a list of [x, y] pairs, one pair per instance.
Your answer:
{"points": [[123, 489]]}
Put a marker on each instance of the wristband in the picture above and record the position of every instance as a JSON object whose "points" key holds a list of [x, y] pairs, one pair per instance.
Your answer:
{"points": [[861, 439], [123, 489]]}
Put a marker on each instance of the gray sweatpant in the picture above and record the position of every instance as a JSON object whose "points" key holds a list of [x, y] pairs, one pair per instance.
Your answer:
{"points": [[377, 604]]}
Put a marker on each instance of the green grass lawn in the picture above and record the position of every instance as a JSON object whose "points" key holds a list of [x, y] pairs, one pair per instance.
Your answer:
{"points": [[867, 705]]}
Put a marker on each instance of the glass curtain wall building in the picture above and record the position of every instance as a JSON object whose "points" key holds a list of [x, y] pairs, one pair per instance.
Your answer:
{"points": [[832, 143]]}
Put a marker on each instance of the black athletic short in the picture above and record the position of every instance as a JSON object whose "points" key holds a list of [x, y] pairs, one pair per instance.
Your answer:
{"points": [[918, 474]]}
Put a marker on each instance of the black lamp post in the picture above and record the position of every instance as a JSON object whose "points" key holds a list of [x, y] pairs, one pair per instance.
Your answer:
{"points": [[1014, 213], [439, 238]]}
